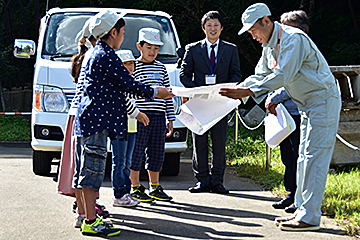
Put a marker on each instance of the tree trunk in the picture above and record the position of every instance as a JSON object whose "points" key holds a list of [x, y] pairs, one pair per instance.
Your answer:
{"points": [[352, 13], [2, 97]]}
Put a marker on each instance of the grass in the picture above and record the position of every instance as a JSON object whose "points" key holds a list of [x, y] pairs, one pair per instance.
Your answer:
{"points": [[15, 128], [342, 195], [342, 198]]}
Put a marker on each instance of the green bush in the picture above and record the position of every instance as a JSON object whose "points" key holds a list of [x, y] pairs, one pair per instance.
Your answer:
{"points": [[15, 128]]}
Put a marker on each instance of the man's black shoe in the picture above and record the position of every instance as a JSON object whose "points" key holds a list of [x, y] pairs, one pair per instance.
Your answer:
{"points": [[219, 189], [200, 187], [291, 209], [286, 202]]}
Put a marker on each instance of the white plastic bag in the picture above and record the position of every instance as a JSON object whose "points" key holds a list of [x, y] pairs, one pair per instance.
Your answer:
{"points": [[277, 128]]}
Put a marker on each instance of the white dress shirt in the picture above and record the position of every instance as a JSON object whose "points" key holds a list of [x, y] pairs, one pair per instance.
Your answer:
{"points": [[208, 43]]}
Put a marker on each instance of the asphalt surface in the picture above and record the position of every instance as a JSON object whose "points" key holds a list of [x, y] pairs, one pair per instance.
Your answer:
{"points": [[31, 208]]}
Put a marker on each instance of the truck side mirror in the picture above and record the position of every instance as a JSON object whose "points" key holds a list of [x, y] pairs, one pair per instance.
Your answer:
{"points": [[24, 48]]}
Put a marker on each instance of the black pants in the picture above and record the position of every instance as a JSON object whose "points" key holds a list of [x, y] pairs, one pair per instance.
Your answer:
{"points": [[289, 149], [215, 175]]}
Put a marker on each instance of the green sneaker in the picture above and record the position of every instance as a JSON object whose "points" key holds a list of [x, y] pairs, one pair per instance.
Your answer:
{"points": [[139, 194], [99, 228], [159, 194]]}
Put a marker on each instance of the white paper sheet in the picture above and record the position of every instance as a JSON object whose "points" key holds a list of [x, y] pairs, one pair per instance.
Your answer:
{"points": [[277, 128], [204, 92], [206, 106]]}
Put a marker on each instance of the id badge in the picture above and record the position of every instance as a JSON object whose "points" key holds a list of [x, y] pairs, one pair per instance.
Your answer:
{"points": [[210, 79]]}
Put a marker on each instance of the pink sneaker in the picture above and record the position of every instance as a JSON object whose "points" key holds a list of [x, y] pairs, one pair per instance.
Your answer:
{"points": [[101, 211], [125, 201]]}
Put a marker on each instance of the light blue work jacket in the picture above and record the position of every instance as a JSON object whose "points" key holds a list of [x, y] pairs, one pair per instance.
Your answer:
{"points": [[301, 69]]}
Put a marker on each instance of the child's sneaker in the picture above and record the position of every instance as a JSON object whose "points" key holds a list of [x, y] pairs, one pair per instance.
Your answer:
{"points": [[99, 228], [101, 207], [78, 221], [125, 201], [101, 212], [159, 194], [139, 194], [74, 207]]}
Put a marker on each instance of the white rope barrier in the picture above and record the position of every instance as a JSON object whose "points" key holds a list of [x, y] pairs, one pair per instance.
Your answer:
{"points": [[246, 126], [347, 143], [15, 113]]}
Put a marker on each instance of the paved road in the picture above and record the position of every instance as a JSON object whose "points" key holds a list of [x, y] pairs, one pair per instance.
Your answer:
{"points": [[31, 208]]}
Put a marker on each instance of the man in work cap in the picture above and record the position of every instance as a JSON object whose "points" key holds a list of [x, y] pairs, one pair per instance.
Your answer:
{"points": [[290, 59], [252, 14]]}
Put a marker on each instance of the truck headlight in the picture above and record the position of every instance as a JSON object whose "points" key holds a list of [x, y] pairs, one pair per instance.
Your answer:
{"points": [[50, 99]]}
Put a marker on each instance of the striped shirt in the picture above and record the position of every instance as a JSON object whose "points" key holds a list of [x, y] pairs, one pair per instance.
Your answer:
{"points": [[154, 74]]}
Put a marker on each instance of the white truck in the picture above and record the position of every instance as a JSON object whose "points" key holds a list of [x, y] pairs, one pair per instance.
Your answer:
{"points": [[53, 87]]}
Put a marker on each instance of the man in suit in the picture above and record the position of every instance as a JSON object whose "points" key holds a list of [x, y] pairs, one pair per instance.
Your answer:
{"points": [[206, 62]]}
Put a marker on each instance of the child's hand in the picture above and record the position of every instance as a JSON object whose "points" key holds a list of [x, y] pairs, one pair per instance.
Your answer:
{"points": [[164, 93], [143, 118], [170, 129]]}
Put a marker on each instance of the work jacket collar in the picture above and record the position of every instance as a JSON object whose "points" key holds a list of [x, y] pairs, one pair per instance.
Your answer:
{"points": [[274, 37]]}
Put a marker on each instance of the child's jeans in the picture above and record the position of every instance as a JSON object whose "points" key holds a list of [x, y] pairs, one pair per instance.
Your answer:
{"points": [[90, 159], [121, 161]]}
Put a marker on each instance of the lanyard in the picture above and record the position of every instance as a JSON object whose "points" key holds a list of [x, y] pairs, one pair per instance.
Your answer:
{"points": [[278, 47], [212, 66]]}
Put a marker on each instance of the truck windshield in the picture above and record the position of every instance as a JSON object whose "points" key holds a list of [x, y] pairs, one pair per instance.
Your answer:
{"points": [[63, 27]]}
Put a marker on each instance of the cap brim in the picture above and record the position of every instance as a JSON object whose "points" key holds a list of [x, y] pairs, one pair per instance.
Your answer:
{"points": [[246, 27], [154, 42], [129, 60]]}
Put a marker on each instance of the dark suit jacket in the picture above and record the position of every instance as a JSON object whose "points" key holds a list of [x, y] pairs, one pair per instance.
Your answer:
{"points": [[196, 64]]}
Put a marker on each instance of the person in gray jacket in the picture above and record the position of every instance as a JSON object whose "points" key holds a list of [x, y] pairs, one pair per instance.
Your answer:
{"points": [[290, 59], [289, 147]]}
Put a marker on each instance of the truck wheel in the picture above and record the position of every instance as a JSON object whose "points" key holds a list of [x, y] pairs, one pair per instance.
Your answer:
{"points": [[42, 162], [171, 166]]}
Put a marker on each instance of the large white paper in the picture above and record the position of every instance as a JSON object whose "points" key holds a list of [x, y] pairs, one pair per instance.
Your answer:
{"points": [[277, 128], [204, 92], [206, 106]]}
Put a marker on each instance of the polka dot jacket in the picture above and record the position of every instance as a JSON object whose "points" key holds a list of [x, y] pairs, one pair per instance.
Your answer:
{"points": [[103, 103]]}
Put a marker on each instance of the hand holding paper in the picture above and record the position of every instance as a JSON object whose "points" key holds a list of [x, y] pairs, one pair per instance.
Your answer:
{"points": [[236, 93], [205, 108]]}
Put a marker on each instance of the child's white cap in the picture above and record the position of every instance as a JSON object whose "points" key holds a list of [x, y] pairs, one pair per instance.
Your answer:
{"points": [[103, 22], [150, 35], [125, 55]]}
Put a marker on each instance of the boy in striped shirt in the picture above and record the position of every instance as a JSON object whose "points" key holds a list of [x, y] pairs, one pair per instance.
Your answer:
{"points": [[150, 140]]}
